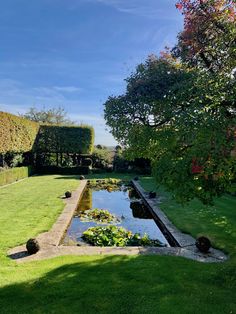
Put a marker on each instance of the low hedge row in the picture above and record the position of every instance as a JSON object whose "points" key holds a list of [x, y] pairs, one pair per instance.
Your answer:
{"points": [[63, 170], [15, 174]]}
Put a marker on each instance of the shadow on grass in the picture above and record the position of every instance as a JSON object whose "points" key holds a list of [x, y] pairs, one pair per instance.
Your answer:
{"points": [[106, 175], [115, 284], [68, 177]]}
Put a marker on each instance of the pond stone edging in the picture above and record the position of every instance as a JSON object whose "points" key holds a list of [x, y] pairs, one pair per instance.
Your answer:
{"points": [[50, 241], [185, 243]]}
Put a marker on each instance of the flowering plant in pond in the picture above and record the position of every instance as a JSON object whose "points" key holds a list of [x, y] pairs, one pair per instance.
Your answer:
{"points": [[99, 215], [116, 236]]}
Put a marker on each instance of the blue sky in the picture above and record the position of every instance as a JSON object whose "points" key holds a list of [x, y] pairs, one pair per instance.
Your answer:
{"points": [[75, 53]]}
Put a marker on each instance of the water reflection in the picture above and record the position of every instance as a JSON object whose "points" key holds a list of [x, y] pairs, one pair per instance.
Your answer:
{"points": [[120, 201], [139, 210]]}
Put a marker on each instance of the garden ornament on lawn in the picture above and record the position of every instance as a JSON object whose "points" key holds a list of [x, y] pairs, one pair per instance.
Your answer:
{"points": [[32, 246], [203, 244], [68, 194], [152, 194]]}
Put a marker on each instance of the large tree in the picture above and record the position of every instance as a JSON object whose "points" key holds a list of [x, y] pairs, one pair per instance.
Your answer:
{"points": [[180, 113]]}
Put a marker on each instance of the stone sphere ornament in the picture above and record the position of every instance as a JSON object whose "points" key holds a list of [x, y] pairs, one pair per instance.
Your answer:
{"points": [[32, 246], [68, 194], [203, 244], [82, 177], [152, 194]]}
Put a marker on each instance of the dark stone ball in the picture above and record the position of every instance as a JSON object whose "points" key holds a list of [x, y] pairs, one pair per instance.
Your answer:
{"points": [[136, 178], [152, 194], [82, 177], [68, 194], [32, 246], [203, 244]]}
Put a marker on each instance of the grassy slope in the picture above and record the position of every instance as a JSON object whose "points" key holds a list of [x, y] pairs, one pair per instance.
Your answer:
{"points": [[138, 284]]}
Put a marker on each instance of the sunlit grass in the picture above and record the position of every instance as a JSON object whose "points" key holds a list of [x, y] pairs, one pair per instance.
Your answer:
{"points": [[216, 222], [112, 284]]}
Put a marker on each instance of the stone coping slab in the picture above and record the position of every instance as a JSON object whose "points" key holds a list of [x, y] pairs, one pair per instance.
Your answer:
{"points": [[50, 241], [20, 254], [185, 243], [181, 239]]}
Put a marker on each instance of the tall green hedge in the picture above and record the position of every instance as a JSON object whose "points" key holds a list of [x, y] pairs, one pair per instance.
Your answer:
{"points": [[20, 135], [16, 134], [65, 139], [14, 174]]}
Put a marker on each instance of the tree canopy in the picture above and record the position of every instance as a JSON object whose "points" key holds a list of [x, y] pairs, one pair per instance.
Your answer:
{"points": [[179, 108], [55, 116]]}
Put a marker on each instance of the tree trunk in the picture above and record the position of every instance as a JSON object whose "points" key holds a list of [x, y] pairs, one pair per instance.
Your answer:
{"points": [[57, 159], [1, 160]]}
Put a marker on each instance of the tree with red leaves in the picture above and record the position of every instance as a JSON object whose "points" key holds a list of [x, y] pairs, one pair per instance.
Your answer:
{"points": [[209, 35]]}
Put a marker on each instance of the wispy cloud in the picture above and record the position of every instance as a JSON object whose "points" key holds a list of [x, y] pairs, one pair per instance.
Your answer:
{"points": [[152, 9], [67, 89], [14, 90], [87, 119], [13, 108], [17, 98]]}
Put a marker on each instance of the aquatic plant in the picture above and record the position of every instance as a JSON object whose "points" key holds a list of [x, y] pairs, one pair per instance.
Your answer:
{"points": [[103, 184], [98, 215], [116, 236]]}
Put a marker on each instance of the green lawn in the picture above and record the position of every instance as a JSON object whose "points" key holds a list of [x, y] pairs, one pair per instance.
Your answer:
{"points": [[113, 284], [217, 222]]}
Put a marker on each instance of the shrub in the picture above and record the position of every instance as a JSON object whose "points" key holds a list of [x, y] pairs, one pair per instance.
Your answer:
{"points": [[101, 158], [11, 175], [120, 163], [87, 162], [13, 159]]}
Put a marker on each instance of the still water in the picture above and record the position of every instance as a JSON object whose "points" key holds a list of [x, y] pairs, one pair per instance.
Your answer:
{"points": [[122, 202]]}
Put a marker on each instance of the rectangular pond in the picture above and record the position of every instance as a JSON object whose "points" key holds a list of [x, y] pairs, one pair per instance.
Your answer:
{"points": [[121, 201]]}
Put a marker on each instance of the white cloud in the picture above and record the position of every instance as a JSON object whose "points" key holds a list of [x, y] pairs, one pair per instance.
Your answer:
{"points": [[67, 89]]}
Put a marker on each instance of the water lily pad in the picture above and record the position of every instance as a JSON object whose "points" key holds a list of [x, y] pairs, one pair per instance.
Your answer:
{"points": [[101, 216]]}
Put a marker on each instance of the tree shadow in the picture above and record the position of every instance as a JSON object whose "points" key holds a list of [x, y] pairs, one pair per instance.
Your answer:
{"points": [[117, 284], [68, 177]]}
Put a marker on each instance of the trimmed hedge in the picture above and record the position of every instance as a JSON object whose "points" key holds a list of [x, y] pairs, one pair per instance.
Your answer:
{"points": [[15, 174], [17, 135], [65, 139], [63, 170]]}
